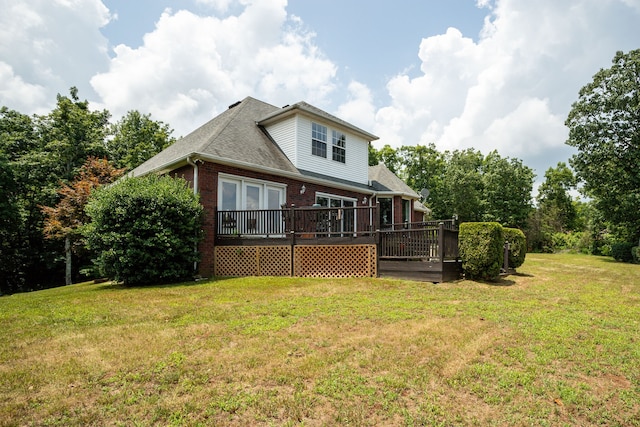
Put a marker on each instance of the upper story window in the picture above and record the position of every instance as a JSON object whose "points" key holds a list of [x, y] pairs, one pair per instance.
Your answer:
{"points": [[339, 141], [318, 140]]}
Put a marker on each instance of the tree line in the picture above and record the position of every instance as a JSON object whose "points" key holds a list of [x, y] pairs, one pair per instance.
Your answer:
{"points": [[604, 126], [48, 163]]}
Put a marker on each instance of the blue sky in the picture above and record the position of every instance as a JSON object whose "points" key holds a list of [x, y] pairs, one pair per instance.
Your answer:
{"points": [[488, 74], [351, 33]]}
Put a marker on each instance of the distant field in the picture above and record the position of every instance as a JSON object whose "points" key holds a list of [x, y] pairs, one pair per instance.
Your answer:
{"points": [[558, 344]]}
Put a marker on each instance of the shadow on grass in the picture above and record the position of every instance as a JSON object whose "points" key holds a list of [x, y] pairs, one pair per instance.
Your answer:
{"points": [[522, 275], [110, 285], [614, 261], [502, 281]]}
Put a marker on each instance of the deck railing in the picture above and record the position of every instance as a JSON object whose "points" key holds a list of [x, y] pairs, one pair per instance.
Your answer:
{"points": [[449, 224], [434, 243], [432, 240], [305, 222]]}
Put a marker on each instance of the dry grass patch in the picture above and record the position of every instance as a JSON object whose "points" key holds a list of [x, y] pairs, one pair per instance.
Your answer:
{"points": [[557, 345]]}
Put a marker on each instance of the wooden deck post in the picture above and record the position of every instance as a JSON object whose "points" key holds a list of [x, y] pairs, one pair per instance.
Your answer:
{"points": [[378, 238], [441, 243], [292, 232]]}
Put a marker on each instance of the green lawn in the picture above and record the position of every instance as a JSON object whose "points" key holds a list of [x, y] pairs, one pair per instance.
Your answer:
{"points": [[558, 344]]}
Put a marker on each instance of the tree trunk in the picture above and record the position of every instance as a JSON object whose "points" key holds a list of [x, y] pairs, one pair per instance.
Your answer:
{"points": [[67, 252]]}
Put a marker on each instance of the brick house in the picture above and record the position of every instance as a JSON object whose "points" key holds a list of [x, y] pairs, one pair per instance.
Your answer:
{"points": [[258, 157]]}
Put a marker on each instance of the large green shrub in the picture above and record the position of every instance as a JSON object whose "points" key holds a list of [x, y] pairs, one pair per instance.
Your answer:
{"points": [[481, 246], [635, 252], [145, 230], [622, 252], [517, 246]]}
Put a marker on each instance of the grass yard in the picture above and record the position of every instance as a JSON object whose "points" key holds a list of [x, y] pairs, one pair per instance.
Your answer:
{"points": [[558, 344]]}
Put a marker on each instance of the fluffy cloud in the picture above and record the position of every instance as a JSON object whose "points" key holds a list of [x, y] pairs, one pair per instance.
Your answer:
{"points": [[191, 67], [508, 88], [48, 46], [359, 108], [512, 89]]}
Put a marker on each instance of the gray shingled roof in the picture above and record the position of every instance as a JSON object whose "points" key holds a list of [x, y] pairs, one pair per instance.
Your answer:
{"points": [[317, 112], [382, 179], [232, 136], [235, 137]]}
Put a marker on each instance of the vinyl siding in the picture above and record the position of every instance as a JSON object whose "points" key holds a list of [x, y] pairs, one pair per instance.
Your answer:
{"points": [[293, 135], [355, 167], [284, 134]]}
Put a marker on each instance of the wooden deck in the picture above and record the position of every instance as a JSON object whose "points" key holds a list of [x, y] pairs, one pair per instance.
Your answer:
{"points": [[426, 251], [420, 253]]}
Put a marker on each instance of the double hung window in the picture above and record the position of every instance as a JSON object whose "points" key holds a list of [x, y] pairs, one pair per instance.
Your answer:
{"points": [[339, 140], [318, 140]]}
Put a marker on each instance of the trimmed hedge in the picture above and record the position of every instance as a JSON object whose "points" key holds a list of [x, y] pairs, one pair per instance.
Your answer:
{"points": [[145, 230], [622, 252], [481, 246], [517, 246]]}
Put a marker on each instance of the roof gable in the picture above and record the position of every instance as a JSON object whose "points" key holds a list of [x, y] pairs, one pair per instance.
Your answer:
{"points": [[232, 136], [237, 137], [314, 112], [383, 180]]}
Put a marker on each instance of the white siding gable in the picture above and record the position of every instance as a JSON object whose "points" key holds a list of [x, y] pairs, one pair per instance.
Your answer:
{"points": [[284, 133], [293, 135]]}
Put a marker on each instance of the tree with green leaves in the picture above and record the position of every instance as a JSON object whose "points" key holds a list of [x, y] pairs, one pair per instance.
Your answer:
{"points": [[71, 133], [507, 186], [424, 167], [555, 201], [463, 187], [25, 189], [387, 155], [604, 126], [10, 228], [43, 153], [137, 138]]}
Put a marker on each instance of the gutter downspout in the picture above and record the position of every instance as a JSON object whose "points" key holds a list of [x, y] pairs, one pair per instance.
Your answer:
{"points": [[194, 164]]}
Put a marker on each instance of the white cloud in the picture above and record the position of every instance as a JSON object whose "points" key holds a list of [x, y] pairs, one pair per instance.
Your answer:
{"points": [[18, 94], [359, 108], [192, 67], [512, 88], [218, 5], [529, 129], [47, 47]]}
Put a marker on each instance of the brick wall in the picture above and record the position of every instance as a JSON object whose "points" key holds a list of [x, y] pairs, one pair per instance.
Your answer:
{"points": [[208, 189]]}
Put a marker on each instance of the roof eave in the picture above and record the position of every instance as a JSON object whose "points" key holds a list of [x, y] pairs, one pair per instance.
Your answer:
{"points": [[398, 193], [182, 161], [302, 109]]}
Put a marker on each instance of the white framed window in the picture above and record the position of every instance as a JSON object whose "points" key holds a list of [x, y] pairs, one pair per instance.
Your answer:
{"points": [[240, 193], [339, 140], [237, 193], [318, 140]]}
